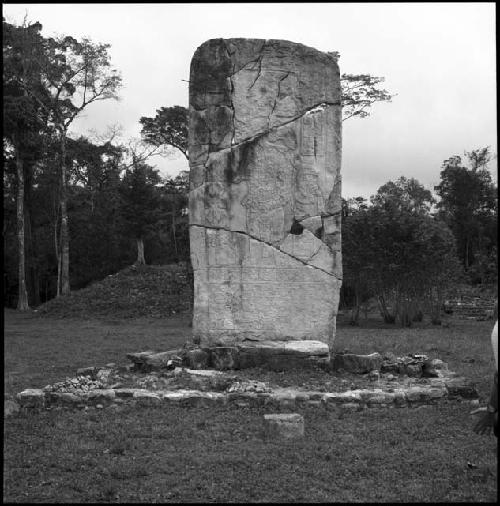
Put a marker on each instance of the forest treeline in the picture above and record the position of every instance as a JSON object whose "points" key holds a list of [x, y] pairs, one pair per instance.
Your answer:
{"points": [[78, 208]]}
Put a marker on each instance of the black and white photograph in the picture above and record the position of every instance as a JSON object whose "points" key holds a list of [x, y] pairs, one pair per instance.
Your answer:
{"points": [[250, 252]]}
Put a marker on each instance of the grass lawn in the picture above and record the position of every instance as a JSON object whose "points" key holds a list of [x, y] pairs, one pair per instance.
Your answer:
{"points": [[220, 454]]}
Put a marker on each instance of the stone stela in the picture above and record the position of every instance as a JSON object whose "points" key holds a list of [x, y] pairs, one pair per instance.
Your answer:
{"points": [[265, 201]]}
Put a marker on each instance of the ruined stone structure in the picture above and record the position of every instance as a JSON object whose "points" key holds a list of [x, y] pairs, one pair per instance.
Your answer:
{"points": [[264, 202]]}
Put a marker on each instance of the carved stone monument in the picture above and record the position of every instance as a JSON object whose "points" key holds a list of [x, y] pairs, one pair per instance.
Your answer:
{"points": [[264, 201]]}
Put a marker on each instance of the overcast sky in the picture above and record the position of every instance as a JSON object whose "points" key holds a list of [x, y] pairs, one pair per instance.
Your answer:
{"points": [[438, 57]]}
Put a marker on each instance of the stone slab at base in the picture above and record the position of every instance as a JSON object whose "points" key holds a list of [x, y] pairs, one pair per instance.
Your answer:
{"points": [[275, 355], [287, 425]]}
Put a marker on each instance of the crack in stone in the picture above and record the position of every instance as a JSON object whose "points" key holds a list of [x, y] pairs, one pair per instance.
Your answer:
{"points": [[268, 244], [262, 134], [276, 98], [234, 72], [232, 94], [259, 72]]}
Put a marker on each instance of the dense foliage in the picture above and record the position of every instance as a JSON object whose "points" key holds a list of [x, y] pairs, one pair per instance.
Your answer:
{"points": [[399, 252], [469, 205], [99, 197]]}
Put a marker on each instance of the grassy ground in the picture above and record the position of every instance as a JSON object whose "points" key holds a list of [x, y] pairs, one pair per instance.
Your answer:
{"points": [[220, 454]]}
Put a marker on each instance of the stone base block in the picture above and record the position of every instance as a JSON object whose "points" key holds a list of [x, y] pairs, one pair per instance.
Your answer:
{"points": [[149, 360], [31, 398], [275, 355], [289, 425]]}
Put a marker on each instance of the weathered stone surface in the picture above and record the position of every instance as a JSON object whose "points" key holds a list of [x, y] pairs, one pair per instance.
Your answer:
{"points": [[103, 375], [432, 368], [151, 360], [460, 387], [264, 204], [342, 397], [276, 355], [125, 392], [414, 370], [290, 425], [31, 398], [64, 398], [204, 373], [358, 364], [380, 398], [87, 371], [418, 394]]}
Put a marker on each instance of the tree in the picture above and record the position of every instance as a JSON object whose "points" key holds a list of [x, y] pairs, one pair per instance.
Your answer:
{"points": [[397, 252], [359, 93], [74, 74], [140, 203], [22, 121], [404, 194], [174, 219], [468, 204], [94, 206], [168, 128], [358, 273]]}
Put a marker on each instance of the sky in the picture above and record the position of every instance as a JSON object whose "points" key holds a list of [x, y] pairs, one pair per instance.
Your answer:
{"points": [[438, 58]]}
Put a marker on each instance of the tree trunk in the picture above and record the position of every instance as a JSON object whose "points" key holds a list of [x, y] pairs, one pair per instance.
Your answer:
{"points": [[140, 252], [31, 253], [65, 289], [355, 311], [388, 318], [58, 258], [22, 300]]}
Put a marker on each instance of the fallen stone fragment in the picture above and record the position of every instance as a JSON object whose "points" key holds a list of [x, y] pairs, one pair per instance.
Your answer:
{"points": [[87, 371], [432, 368], [249, 386], [150, 360], [460, 387], [380, 398], [417, 394], [205, 373], [342, 397], [31, 398], [413, 370], [289, 425], [103, 375], [359, 364]]}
